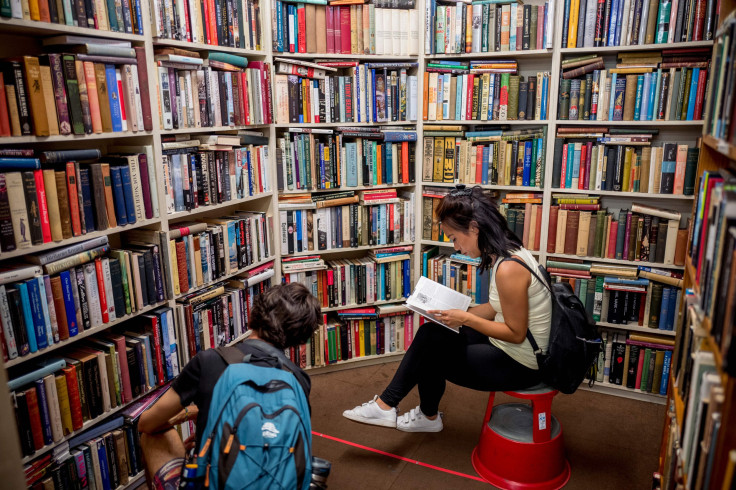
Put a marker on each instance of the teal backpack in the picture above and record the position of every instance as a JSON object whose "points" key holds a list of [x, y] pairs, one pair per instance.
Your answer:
{"points": [[258, 433]]}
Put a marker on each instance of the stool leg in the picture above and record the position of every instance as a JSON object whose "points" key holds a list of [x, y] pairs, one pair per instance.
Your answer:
{"points": [[542, 423], [489, 407]]}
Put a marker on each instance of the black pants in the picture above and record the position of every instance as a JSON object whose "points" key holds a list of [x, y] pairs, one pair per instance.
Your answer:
{"points": [[467, 358]]}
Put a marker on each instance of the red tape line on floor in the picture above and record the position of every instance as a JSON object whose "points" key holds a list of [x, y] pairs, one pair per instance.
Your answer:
{"points": [[396, 456]]}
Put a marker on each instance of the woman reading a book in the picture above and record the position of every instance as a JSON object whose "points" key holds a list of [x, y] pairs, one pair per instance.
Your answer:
{"points": [[283, 316], [488, 351]]}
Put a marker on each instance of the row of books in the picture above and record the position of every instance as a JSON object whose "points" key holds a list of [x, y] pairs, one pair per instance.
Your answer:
{"points": [[483, 27], [222, 90], [712, 256], [623, 300], [370, 28], [366, 221], [345, 91], [97, 375], [214, 169], [75, 94], [646, 86], [458, 272], [125, 16], [498, 157], [41, 205], [633, 235], [202, 253], [608, 163], [320, 159], [525, 221], [235, 24], [636, 361], [588, 24], [384, 275], [89, 286], [722, 107], [358, 332], [219, 314], [457, 91]]}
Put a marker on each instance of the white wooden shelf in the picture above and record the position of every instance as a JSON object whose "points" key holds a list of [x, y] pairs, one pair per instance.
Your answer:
{"points": [[214, 129], [509, 188], [60, 138], [637, 328], [639, 47], [633, 124], [343, 189], [232, 274], [633, 195], [478, 122], [159, 41], [38, 28], [227, 204], [622, 391], [617, 261], [346, 124], [343, 250], [528, 53], [376, 58]]}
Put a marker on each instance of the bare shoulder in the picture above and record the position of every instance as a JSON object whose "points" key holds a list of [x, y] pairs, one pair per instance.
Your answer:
{"points": [[510, 270]]}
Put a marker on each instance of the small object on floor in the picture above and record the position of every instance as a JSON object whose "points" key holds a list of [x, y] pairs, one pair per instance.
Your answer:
{"points": [[415, 421], [371, 413]]}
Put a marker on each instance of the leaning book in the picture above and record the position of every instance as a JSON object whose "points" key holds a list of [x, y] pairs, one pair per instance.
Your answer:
{"points": [[429, 295]]}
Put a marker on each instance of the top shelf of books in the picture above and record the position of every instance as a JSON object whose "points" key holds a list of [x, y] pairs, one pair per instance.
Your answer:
{"points": [[32, 27], [603, 50]]}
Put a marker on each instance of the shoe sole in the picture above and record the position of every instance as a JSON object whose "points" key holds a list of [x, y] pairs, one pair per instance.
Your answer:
{"points": [[420, 429], [364, 420]]}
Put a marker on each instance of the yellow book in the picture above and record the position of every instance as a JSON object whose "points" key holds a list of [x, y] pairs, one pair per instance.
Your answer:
{"points": [[361, 337], [627, 170], [49, 100], [65, 409], [174, 267], [572, 30], [448, 173], [35, 95]]}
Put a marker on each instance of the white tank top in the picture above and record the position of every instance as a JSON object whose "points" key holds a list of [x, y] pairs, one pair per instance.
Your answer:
{"points": [[540, 314]]}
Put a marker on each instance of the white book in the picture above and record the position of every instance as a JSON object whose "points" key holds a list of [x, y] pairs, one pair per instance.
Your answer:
{"points": [[16, 9], [413, 47], [52, 398], [215, 96], [404, 32], [625, 14], [45, 300], [108, 288], [10, 342], [550, 27], [164, 94], [429, 295], [93, 474], [194, 20], [429, 34], [412, 97], [93, 295], [172, 338], [104, 382]]}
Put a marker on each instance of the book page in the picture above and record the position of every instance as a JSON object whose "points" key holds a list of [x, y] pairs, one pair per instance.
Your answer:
{"points": [[430, 295]]}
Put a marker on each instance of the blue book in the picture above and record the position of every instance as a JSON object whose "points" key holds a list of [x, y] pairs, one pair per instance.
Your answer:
{"points": [[112, 18], [176, 183], [652, 96], [619, 22], [570, 165], [166, 345], [612, 22], [565, 23], [398, 136], [645, 96], [526, 175], [458, 102], [664, 311], [45, 305], [89, 218], [104, 469], [113, 98], [298, 222], [447, 80], [665, 372], [621, 280], [139, 17], [39, 322], [478, 134], [128, 193], [540, 161], [383, 221], [248, 164], [485, 159], [351, 163], [27, 316], [673, 310], [692, 94], [389, 165], [406, 267], [612, 101], [575, 162], [229, 84], [279, 26], [121, 214], [491, 88], [373, 95], [545, 92], [18, 163], [43, 408], [639, 93], [69, 306], [38, 370]]}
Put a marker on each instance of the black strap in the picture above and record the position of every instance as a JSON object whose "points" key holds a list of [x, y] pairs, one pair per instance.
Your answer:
{"points": [[529, 335], [233, 355]]}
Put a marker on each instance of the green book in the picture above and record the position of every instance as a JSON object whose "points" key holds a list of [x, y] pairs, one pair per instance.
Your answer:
{"points": [[568, 265], [513, 112], [598, 304], [600, 226], [645, 369]]}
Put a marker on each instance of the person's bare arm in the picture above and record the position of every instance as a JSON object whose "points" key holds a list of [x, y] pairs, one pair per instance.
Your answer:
{"points": [[157, 417], [484, 311]]}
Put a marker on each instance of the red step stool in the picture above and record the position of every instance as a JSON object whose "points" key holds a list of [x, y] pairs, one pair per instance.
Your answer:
{"points": [[521, 446]]}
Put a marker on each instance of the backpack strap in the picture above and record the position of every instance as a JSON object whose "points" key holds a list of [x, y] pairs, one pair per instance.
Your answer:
{"points": [[231, 354], [529, 336]]}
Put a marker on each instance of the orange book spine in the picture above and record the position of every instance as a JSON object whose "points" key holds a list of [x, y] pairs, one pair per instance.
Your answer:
{"points": [[35, 416], [94, 100], [71, 183], [426, 96], [404, 162], [75, 403], [101, 290]]}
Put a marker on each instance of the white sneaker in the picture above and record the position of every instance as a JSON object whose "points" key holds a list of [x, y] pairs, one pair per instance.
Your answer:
{"points": [[415, 421], [371, 413]]}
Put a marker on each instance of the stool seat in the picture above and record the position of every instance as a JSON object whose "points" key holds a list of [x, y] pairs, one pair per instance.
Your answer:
{"points": [[515, 421], [538, 389]]}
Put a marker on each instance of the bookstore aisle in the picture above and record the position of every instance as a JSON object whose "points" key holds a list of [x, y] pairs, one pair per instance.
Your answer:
{"points": [[164, 162]]}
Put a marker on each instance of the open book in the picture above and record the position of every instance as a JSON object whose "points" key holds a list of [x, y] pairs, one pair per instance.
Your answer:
{"points": [[430, 295]]}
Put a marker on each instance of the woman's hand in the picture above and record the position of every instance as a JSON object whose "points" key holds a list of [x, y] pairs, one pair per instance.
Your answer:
{"points": [[451, 318]]}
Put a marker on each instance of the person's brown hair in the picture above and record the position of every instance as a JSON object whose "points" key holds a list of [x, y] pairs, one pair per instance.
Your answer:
{"points": [[465, 205], [285, 315]]}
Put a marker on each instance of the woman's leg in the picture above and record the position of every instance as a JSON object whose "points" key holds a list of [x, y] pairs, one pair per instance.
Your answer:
{"points": [[163, 454]]}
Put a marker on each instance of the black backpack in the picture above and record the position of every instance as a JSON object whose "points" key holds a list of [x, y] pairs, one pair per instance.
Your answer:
{"points": [[574, 341]]}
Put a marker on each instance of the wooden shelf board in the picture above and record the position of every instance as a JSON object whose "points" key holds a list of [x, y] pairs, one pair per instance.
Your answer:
{"points": [[81, 335], [637, 328], [721, 146], [634, 195], [33, 27], [437, 244], [77, 239], [227, 204], [226, 277], [378, 58], [332, 125], [617, 261], [341, 189], [511, 122], [14, 140], [157, 41], [364, 305], [215, 129], [679, 402], [639, 47], [513, 188], [529, 53], [617, 390], [134, 481], [356, 362], [566, 122], [333, 251]]}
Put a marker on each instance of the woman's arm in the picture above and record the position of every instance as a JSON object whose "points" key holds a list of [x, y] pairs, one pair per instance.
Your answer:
{"points": [[483, 311], [156, 418]]}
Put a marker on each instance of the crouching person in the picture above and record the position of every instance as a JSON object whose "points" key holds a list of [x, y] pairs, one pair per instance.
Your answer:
{"points": [[250, 404]]}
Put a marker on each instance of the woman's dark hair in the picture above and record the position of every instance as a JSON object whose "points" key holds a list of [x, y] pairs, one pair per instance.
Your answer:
{"points": [[463, 206], [285, 315]]}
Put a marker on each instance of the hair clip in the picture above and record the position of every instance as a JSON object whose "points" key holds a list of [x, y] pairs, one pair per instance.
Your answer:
{"points": [[461, 190]]}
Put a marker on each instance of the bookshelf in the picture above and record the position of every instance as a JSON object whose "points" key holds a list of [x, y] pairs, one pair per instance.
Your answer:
{"points": [[702, 381]]}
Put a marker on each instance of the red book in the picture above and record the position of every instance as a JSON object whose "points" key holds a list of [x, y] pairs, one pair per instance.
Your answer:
{"points": [[329, 24], [210, 328], [206, 22], [71, 181], [212, 30], [42, 205], [612, 239], [589, 145], [301, 28], [154, 328], [469, 108], [35, 416], [540, 28], [121, 100], [552, 229], [140, 54], [125, 391], [640, 368], [700, 95], [581, 175], [538, 235], [4, 117], [478, 164], [75, 403], [699, 20], [101, 288], [581, 207], [345, 30], [181, 262], [190, 327]]}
